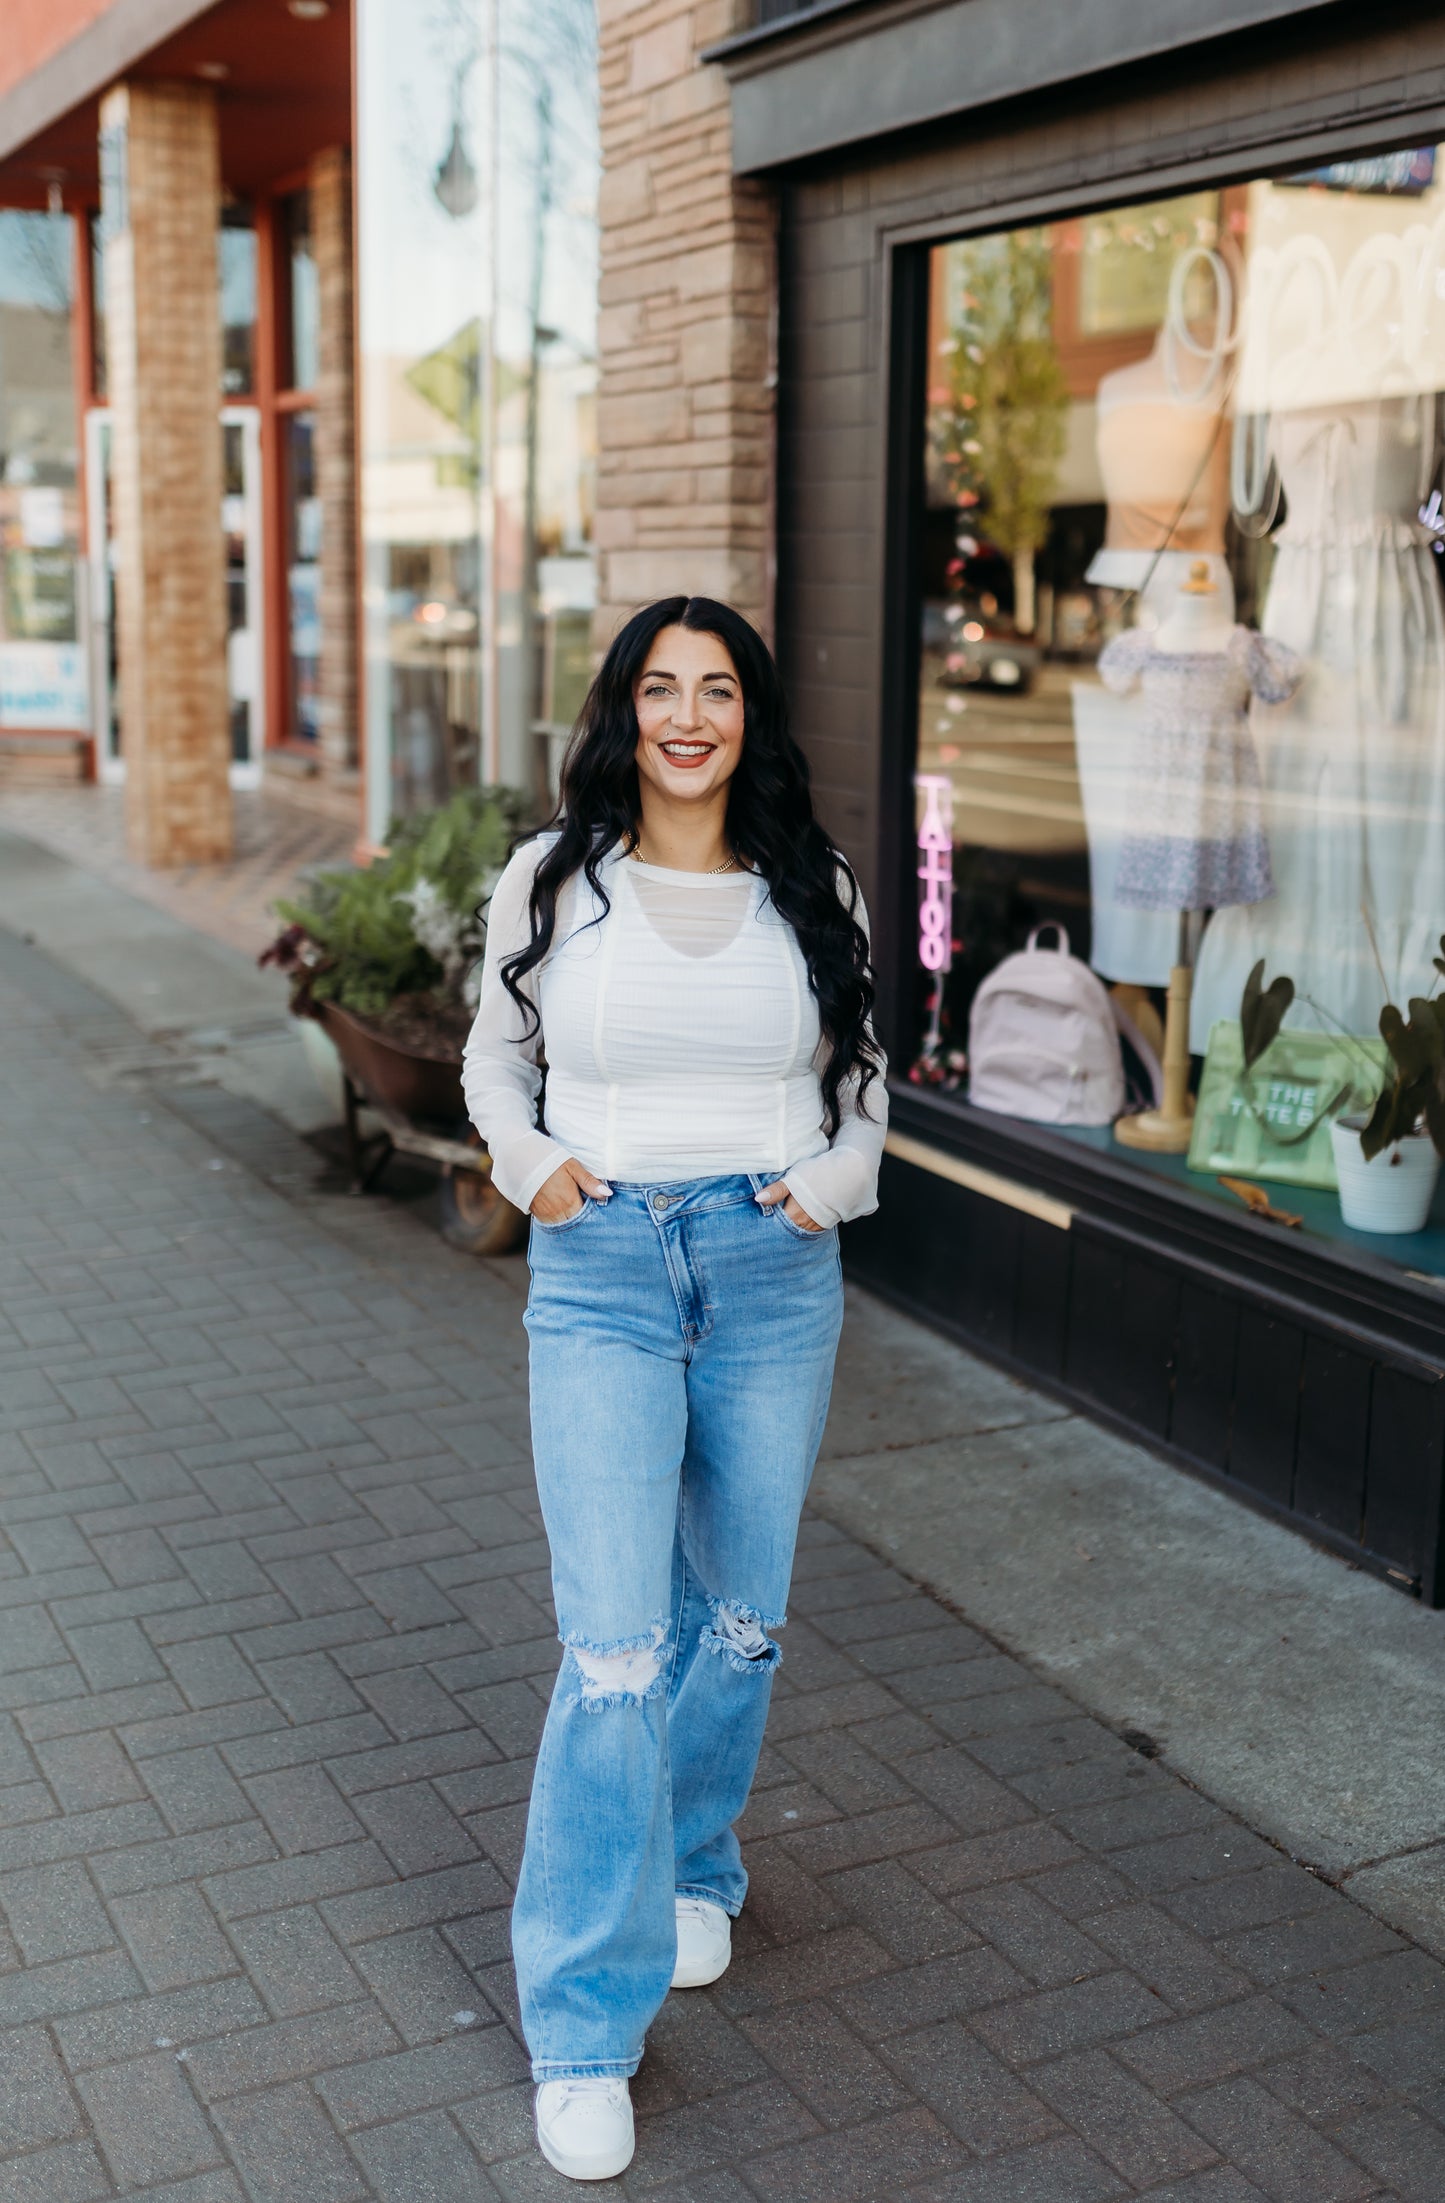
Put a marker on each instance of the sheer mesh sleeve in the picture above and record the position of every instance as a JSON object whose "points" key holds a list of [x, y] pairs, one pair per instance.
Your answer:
{"points": [[842, 1182], [501, 1067]]}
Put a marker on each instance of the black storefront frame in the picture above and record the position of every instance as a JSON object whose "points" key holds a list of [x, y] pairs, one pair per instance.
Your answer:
{"points": [[1306, 1380]]}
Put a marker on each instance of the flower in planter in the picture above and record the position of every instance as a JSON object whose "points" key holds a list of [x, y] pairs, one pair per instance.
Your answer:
{"points": [[453, 937], [402, 936]]}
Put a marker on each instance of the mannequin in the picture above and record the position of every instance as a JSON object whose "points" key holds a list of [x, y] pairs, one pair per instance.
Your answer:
{"points": [[1200, 619], [1164, 464], [1194, 838], [1165, 470]]}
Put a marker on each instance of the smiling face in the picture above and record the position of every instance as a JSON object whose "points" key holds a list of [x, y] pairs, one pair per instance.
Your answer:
{"points": [[689, 704]]}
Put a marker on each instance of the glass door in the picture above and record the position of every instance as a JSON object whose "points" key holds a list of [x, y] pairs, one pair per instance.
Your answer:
{"points": [[240, 518], [245, 643]]}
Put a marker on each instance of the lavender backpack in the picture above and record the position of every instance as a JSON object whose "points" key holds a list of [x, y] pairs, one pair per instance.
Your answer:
{"points": [[1043, 1041]]}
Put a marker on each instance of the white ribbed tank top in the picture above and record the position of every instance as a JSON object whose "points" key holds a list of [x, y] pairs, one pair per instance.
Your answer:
{"points": [[682, 1036]]}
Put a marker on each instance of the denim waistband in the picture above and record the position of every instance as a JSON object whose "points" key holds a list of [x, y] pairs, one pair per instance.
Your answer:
{"points": [[693, 1193]]}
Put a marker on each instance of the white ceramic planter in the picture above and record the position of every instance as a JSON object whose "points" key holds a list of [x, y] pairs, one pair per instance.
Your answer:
{"points": [[1391, 1194]]}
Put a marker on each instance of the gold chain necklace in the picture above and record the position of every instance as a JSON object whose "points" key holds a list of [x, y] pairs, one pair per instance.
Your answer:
{"points": [[729, 864]]}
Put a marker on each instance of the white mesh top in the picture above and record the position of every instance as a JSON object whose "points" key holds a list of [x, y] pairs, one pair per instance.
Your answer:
{"points": [[681, 1039]]}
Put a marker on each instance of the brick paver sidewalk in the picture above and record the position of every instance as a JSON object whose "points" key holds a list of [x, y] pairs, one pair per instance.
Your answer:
{"points": [[275, 1645], [278, 834]]}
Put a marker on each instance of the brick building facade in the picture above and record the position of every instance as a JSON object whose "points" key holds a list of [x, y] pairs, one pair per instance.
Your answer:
{"points": [[687, 326]]}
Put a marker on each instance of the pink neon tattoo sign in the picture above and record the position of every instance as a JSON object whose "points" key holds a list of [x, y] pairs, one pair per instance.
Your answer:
{"points": [[935, 847]]}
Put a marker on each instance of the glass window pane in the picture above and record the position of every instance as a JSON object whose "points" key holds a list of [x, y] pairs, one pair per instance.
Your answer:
{"points": [[236, 275], [236, 251], [97, 306], [42, 664], [477, 280], [424, 304], [1182, 649], [303, 329], [303, 577], [546, 381]]}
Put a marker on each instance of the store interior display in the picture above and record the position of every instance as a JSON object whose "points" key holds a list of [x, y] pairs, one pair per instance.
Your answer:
{"points": [[1164, 467], [1193, 837], [1223, 722], [1355, 771], [1043, 1039], [1271, 1118]]}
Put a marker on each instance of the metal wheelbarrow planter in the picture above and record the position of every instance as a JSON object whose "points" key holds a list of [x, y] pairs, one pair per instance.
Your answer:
{"points": [[418, 1099]]}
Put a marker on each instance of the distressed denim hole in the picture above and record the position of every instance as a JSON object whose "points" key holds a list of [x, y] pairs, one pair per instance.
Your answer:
{"points": [[738, 1635], [623, 1675]]}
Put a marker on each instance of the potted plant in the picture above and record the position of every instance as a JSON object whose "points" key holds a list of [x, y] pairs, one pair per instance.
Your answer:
{"points": [[384, 958], [1388, 1162]]}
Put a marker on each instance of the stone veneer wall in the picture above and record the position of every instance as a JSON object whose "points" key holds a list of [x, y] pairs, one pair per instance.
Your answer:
{"points": [[688, 261], [164, 351], [330, 182]]}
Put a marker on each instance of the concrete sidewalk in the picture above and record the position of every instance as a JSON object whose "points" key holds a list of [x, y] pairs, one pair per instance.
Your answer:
{"points": [[275, 1648]]}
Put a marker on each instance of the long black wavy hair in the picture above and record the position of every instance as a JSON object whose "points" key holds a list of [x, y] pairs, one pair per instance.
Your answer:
{"points": [[770, 827]]}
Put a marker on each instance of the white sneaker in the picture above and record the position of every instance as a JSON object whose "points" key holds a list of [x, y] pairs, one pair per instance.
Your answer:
{"points": [[584, 2127], [704, 1943]]}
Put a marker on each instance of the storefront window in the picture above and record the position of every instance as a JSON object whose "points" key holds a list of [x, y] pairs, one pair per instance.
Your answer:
{"points": [[546, 380], [302, 325], [98, 368], [236, 276], [42, 661], [236, 249], [240, 654], [476, 256], [303, 577], [1182, 657]]}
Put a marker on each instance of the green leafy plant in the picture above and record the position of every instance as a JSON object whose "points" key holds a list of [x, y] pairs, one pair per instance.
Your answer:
{"points": [[408, 927], [1262, 1012], [1412, 1097], [1417, 1090]]}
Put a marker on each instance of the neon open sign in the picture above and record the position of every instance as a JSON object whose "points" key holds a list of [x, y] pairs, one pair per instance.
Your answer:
{"points": [[935, 848]]}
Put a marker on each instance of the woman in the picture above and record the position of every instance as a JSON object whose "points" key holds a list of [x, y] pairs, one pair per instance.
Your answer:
{"points": [[688, 947]]}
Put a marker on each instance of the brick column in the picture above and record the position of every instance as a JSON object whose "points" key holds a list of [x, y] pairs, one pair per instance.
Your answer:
{"points": [[336, 456], [160, 160], [686, 396]]}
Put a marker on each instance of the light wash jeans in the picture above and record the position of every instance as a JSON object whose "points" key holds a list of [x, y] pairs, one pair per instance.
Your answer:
{"points": [[682, 1344]]}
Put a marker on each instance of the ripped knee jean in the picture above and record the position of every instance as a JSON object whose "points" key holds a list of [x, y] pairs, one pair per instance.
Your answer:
{"points": [[682, 1344], [611, 1676]]}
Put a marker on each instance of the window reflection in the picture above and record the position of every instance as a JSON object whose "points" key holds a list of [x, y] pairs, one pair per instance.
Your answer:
{"points": [[236, 249], [302, 320], [42, 664], [546, 380], [1211, 426], [477, 304], [303, 578]]}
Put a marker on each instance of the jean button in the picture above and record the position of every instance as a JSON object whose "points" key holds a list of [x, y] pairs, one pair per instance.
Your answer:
{"points": [[662, 1200]]}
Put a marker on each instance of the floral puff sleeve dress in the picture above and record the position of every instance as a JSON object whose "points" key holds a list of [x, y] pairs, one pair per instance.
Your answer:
{"points": [[1194, 834]]}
